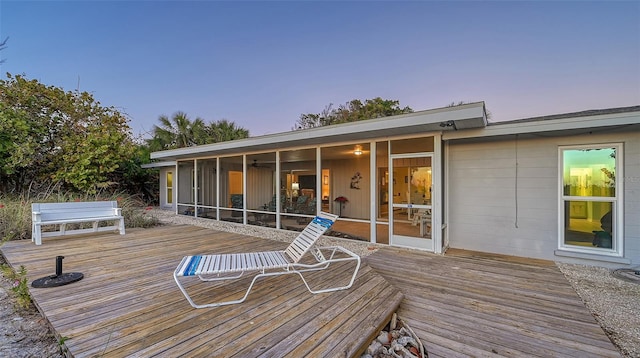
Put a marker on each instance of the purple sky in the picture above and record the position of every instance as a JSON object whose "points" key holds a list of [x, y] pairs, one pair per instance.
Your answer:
{"points": [[262, 64]]}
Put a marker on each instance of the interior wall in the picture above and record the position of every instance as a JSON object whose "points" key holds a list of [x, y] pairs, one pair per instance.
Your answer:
{"points": [[259, 187], [185, 183], [343, 174]]}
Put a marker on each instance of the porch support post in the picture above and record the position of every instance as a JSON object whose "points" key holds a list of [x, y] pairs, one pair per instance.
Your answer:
{"points": [[318, 179], [244, 189], [196, 184], [174, 191], [436, 200], [278, 191], [373, 208], [218, 188]]}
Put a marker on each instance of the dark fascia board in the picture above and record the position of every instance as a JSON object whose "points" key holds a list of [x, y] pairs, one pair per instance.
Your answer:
{"points": [[170, 163], [560, 124], [470, 115]]}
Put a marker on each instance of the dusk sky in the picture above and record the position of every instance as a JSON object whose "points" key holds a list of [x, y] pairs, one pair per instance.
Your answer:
{"points": [[263, 64]]}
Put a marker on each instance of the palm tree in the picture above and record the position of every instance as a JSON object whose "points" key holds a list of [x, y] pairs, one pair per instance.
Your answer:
{"points": [[178, 132], [224, 130]]}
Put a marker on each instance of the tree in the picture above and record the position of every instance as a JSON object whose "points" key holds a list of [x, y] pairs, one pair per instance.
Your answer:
{"points": [[223, 130], [48, 134], [133, 178], [180, 132], [351, 111], [3, 45], [177, 132]]}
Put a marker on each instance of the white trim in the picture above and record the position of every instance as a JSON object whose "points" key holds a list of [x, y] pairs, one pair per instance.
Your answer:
{"points": [[279, 207], [407, 241], [373, 191], [617, 202], [218, 189], [465, 116], [175, 190], [547, 125], [244, 189], [436, 195], [166, 203], [446, 211]]}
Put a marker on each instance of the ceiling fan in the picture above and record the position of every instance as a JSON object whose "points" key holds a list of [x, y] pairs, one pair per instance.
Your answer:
{"points": [[256, 165]]}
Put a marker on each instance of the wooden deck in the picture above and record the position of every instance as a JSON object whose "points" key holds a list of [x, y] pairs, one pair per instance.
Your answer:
{"points": [[469, 304], [462, 304], [128, 304]]}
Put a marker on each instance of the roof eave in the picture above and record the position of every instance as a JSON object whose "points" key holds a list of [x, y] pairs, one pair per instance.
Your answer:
{"points": [[465, 116], [561, 124]]}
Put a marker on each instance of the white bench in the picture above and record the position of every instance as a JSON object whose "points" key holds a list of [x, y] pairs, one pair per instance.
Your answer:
{"points": [[74, 212]]}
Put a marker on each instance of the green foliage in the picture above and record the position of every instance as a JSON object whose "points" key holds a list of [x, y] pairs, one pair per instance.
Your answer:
{"points": [[19, 285], [223, 130], [133, 179], [351, 111], [181, 132], [49, 134], [177, 132], [15, 211], [61, 344], [15, 219]]}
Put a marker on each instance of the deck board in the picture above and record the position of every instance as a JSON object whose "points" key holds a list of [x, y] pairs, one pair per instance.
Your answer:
{"points": [[481, 305], [128, 304], [460, 305]]}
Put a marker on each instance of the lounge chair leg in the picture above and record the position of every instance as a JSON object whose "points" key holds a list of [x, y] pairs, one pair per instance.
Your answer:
{"points": [[331, 289], [214, 304]]}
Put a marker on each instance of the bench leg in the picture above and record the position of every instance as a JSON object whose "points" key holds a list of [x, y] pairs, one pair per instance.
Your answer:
{"points": [[121, 226], [36, 234], [63, 229], [95, 226]]}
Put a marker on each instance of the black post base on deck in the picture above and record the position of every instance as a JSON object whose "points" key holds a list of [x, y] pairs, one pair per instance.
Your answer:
{"points": [[59, 279]]}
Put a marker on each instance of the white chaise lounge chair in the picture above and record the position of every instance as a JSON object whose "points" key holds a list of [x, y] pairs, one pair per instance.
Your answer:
{"points": [[269, 263]]}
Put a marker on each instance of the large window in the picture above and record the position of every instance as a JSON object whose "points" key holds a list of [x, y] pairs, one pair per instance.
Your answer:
{"points": [[261, 189], [231, 189], [298, 188], [590, 198]]}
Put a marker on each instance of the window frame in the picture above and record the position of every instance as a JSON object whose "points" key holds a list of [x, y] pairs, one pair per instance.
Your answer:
{"points": [[616, 201], [169, 189]]}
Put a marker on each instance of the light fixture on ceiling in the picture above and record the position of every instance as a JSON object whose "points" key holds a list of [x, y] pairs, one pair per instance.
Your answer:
{"points": [[357, 150]]}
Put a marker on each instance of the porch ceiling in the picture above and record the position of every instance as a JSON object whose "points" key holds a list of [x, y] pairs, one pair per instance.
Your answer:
{"points": [[432, 121]]}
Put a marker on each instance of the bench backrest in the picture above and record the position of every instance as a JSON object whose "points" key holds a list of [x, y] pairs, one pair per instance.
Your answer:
{"points": [[74, 210]]}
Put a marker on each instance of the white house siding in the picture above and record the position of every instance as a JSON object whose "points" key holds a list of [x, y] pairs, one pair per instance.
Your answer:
{"points": [[632, 197], [493, 209]]}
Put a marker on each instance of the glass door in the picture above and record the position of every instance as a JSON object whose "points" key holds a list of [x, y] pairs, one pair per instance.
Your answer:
{"points": [[411, 185]]}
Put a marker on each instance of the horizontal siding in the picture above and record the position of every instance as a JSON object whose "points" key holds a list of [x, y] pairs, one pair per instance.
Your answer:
{"points": [[503, 194], [632, 198]]}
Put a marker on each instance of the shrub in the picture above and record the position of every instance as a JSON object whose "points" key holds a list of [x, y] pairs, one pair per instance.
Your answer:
{"points": [[15, 211], [19, 285]]}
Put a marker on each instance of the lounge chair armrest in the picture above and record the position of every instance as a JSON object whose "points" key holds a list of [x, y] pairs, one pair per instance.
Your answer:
{"points": [[333, 250]]}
